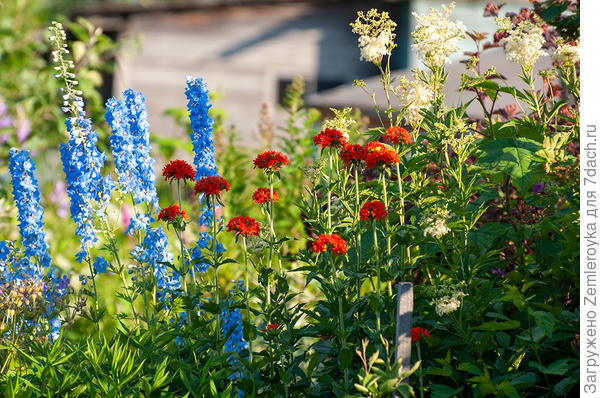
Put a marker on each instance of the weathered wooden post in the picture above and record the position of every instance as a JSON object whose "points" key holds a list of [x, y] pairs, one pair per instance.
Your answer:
{"points": [[404, 309]]}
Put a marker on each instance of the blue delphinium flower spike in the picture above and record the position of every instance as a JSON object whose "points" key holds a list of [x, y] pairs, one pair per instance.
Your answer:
{"points": [[82, 162], [204, 150], [131, 146], [27, 199]]}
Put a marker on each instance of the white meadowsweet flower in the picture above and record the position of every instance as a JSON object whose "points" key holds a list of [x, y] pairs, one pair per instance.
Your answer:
{"points": [[437, 228], [523, 45], [376, 35], [434, 222], [448, 304], [413, 96], [436, 36], [566, 54], [372, 49]]}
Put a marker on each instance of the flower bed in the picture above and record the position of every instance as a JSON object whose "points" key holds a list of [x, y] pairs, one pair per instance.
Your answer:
{"points": [[481, 216]]}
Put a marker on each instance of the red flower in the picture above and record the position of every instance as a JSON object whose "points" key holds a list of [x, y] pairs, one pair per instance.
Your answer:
{"points": [[171, 213], [178, 170], [330, 241], [212, 185], [271, 326], [330, 137], [417, 333], [380, 155], [395, 134], [374, 210], [243, 226], [263, 195], [353, 153], [271, 160]]}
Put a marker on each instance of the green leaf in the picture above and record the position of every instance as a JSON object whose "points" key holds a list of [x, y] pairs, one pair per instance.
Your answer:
{"points": [[470, 368], [493, 326], [512, 156], [558, 368], [545, 321], [442, 391]]}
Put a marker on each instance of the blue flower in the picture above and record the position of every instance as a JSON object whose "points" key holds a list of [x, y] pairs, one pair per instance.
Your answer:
{"points": [[204, 148], [141, 222], [27, 199], [100, 265], [131, 146], [154, 252], [82, 163]]}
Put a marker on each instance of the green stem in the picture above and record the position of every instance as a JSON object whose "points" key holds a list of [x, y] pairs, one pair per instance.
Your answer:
{"points": [[215, 266], [329, 191], [340, 310], [96, 310], [388, 238], [376, 248], [357, 236], [247, 298], [271, 246], [422, 393]]}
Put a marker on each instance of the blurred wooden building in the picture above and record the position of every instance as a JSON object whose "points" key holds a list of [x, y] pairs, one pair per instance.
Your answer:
{"points": [[249, 50]]}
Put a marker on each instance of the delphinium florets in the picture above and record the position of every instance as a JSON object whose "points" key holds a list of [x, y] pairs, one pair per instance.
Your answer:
{"points": [[179, 170], [82, 162], [379, 155], [374, 210], [243, 226], [330, 138], [130, 143], [204, 155], [396, 134], [263, 195], [155, 254], [271, 161], [329, 241], [27, 199], [212, 185]]}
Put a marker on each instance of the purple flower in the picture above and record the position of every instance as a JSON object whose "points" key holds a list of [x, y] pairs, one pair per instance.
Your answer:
{"points": [[538, 187]]}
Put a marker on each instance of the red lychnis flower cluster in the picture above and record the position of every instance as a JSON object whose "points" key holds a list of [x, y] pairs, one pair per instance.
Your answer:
{"points": [[271, 326], [395, 134], [243, 226], [330, 138], [353, 154], [171, 213], [271, 161], [380, 155], [263, 195], [417, 333], [374, 210], [212, 185], [330, 241], [178, 170]]}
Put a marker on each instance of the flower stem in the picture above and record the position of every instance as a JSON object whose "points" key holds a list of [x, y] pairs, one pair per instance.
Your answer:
{"points": [[376, 248], [96, 310], [329, 191], [215, 266], [388, 238], [247, 298], [357, 236]]}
